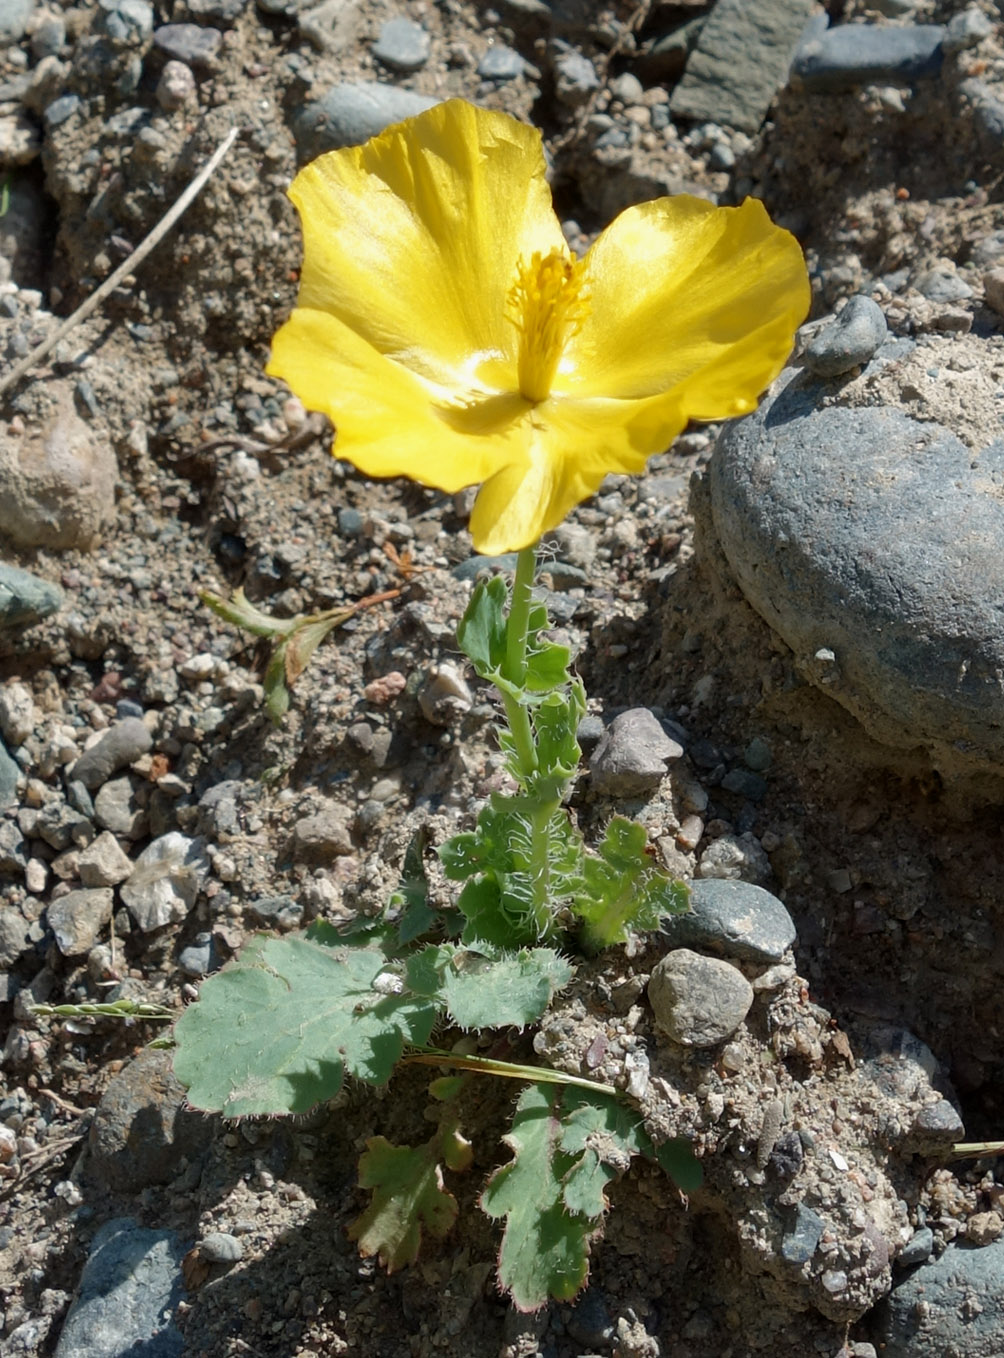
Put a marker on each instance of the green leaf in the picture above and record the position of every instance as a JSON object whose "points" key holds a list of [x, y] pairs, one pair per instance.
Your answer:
{"points": [[276, 1032], [481, 634], [242, 613], [604, 1134], [411, 898], [623, 889], [546, 662], [545, 1248], [502, 992], [678, 1160], [305, 638], [408, 1198], [274, 683]]}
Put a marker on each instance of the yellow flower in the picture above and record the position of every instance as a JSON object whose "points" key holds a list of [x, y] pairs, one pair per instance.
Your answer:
{"points": [[452, 337]]}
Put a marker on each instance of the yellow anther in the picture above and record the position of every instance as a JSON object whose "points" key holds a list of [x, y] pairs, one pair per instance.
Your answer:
{"points": [[547, 305]]}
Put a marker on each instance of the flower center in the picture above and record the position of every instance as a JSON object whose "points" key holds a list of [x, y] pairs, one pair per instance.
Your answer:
{"points": [[547, 305]]}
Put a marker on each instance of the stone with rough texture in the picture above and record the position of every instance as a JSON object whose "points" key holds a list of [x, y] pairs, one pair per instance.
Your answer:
{"points": [[130, 1288], [14, 16], [9, 774], [24, 598], [737, 919], [78, 918], [631, 755], [866, 54], [323, 836], [57, 482], [141, 1127], [501, 63], [165, 880], [871, 543], [103, 862], [191, 44], [740, 61], [698, 1001], [848, 340], [948, 1306], [120, 745], [352, 113]]}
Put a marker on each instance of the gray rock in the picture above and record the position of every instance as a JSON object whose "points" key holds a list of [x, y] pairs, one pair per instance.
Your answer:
{"points": [[988, 120], [17, 713], [350, 114], [632, 755], [589, 1321], [60, 111], [501, 63], [117, 808], [189, 43], [323, 836], [277, 912], [48, 36], [899, 1063], [735, 857], [866, 54], [78, 918], [103, 862], [935, 1128], [199, 958], [966, 30], [737, 919], [868, 537], [799, 1241], [743, 783], [489, 565], [120, 745], [60, 826], [332, 25], [949, 1306], [626, 87], [15, 936], [175, 86], [166, 880], [13, 849], [24, 598], [128, 23], [141, 1127], [942, 284], [9, 774], [918, 1249], [14, 16], [220, 1248], [698, 1001], [402, 45], [740, 60], [129, 1290], [57, 481], [575, 78], [849, 340]]}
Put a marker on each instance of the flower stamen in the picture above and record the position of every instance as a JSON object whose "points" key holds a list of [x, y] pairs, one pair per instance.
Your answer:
{"points": [[547, 305]]}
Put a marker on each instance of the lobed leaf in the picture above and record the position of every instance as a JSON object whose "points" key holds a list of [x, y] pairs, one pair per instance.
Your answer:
{"points": [[408, 1199], [623, 890], [545, 1248], [481, 634], [277, 1032]]}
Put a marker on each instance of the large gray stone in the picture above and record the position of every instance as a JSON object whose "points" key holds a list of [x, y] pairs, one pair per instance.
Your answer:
{"points": [[737, 919], [128, 1293], [871, 543], [350, 114], [860, 54], [24, 598], [698, 1001], [740, 61], [949, 1306]]}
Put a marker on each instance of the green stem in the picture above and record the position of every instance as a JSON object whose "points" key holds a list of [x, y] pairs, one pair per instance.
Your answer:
{"points": [[515, 660], [429, 1056]]}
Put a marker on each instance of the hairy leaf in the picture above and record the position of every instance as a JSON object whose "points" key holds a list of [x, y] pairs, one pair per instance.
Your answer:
{"points": [[545, 1247], [501, 992], [481, 634], [623, 889], [276, 1032], [604, 1135], [408, 1198], [678, 1160]]}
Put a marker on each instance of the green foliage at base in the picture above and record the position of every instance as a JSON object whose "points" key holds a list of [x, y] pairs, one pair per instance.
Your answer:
{"points": [[279, 1030]]}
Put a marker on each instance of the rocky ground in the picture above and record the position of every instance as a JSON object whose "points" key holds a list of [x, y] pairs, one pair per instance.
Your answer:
{"points": [[807, 616]]}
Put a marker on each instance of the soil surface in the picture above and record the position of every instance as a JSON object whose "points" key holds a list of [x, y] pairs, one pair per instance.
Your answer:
{"points": [[199, 472]]}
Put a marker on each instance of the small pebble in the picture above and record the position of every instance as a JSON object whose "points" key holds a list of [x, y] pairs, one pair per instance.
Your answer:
{"points": [[402, 45], [501, 63], [175, 87], [849, 340], [698, 1001]]}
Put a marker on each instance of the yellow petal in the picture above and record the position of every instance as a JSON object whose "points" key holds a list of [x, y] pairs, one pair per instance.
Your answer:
{"points": [[688, 297], [568, 448], [390, 421], [412, 240]]}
